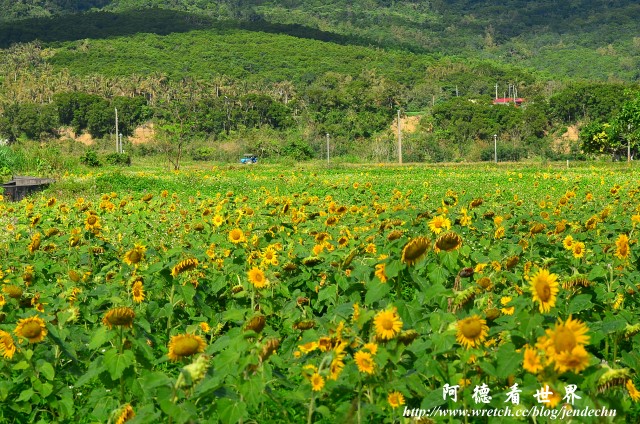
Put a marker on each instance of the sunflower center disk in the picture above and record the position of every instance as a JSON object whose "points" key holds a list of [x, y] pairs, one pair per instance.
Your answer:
{"points": [[186, 347], [471, 329], [565, 340], [31, 330], [544, 290]]}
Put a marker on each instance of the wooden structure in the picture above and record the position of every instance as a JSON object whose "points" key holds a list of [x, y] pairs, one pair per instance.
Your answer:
{"points": [[22, 186]]}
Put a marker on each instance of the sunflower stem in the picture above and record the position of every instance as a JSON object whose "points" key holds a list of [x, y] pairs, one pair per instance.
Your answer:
{"points": [[120, 349], [311, 407], [173, 290]]}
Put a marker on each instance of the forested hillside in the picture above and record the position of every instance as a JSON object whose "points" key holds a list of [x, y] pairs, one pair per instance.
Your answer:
{"points": [[277, 76]]}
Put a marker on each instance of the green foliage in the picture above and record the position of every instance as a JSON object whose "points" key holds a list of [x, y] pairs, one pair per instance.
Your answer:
{"points": [[31, 120], [298, 150], [120, 159], [203, 153], [90, 158], [582, 101], [616, 135], [253, 349]]}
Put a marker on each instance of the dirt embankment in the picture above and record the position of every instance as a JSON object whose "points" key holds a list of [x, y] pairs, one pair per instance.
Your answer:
{"points": [[408, 124], [566, 140], [142, 134]]}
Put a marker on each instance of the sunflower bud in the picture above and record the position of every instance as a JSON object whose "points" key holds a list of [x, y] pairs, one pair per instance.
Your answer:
{"points": [[268, 349], [256, 324], [612, 378], [407, 337], [512, 262], [466, 272], [193, 373], [304, 325], [484, 282], [492, 313]]}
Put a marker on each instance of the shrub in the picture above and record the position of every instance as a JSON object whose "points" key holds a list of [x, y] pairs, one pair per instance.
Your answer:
{"points": [[121, 159], [90, 158], [203, 154]]}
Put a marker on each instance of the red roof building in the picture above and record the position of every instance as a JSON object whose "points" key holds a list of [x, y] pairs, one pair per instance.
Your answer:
{"points": [[508, 100]]}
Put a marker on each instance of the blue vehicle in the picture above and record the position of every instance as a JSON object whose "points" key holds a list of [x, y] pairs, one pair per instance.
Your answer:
{"points": [[249, 159]]}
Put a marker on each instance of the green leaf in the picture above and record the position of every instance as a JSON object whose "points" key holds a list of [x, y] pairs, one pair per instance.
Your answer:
{"points": [[154, 379], [22, 365], [375, 292], [25, 395], [231, 411], [508, 361], [94, 369], [437, 274], [610, 325], [580, 303], [188, 291], [47, 370], [327, 293], [116, 362], [597, 272], [100, 337]]}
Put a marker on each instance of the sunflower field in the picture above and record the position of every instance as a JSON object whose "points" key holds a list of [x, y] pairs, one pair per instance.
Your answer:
{"points": [[313, 295]]}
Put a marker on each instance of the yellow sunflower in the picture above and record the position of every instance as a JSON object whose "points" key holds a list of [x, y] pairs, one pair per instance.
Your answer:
{"points": [[575, 360], [125, 414], [633, 392], [135, 255], [382, 276], [578, 249], [183, 266], [415, 250], [364, 361], [395, 399], [217, 220], [387, 324], [439, 223], [532, 361], [335, 369], [92, 222], [270, 256], [622, 246], [568, 242], [448, 242], [544, 287], [35, 243], [12, 291], [7, 345], [237, 236], [33, 329], [137, 291], [472, 331], [120, 317], [317, 382], [257, 278], [185, 345], [564, 337], [308, 347], [371, 347]]}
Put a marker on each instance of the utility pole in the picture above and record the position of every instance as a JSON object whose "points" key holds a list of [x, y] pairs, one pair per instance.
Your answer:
{"points": [[495, 147], [327, 148], [496, 91], [117, 141], [629, 144], [399, 139]]}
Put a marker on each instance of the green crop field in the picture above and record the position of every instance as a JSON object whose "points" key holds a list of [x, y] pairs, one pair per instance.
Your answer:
{"points": [[311, 294]]}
